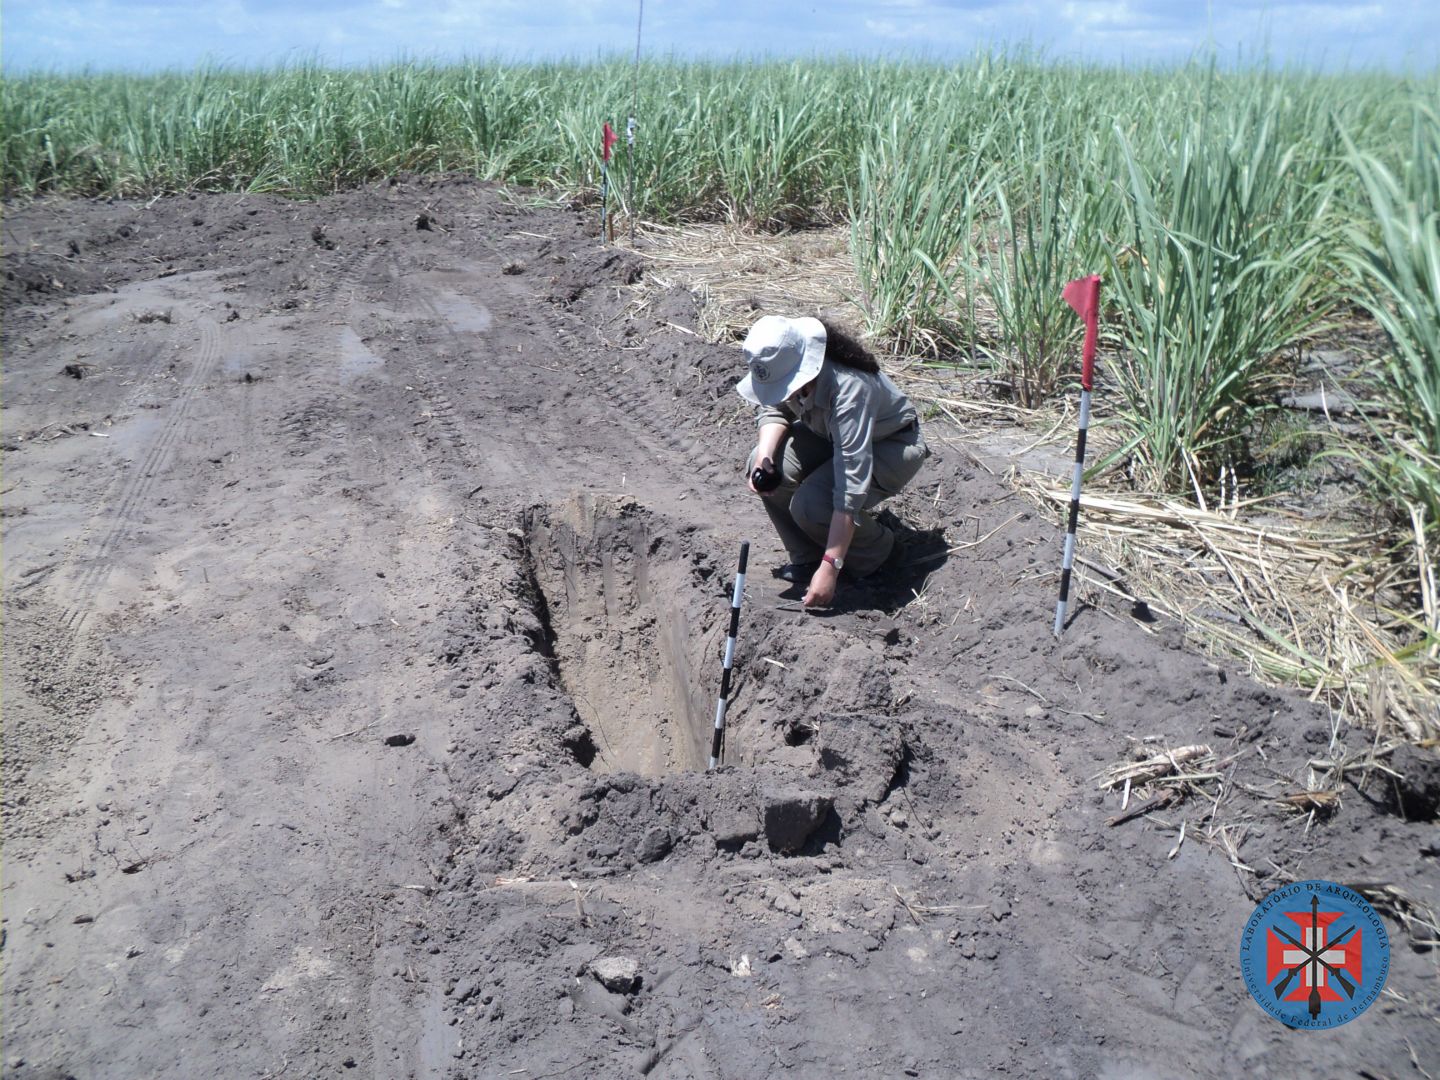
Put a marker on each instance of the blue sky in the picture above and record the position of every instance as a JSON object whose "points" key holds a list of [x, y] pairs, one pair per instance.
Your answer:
{"points": [[148, 34]]}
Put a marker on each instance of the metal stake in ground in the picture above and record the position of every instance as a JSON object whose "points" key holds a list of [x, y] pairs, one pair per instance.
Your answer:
{"points": [[718, 740], [608, 139], [632, 124], [1082, 294]]}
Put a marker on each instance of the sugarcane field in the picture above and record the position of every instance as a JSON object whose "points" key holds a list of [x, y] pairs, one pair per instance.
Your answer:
{"points": [[657, 565]]}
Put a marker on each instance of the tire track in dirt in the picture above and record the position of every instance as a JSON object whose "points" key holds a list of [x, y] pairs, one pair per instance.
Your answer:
{"points": [[56, 621], [317, 336], [140, 316], [450, 446], [59, 666], [401, 1019], [437, 432], [344, 455], [210, 731], [496, 452], [77, 597], [492, 450], [637, 402]]}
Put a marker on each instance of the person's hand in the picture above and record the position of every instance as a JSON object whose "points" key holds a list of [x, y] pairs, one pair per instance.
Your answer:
{"points": [[821, 592], [767, 467]]}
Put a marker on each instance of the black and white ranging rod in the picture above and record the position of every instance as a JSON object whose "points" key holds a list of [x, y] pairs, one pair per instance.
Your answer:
{"points": [[1082, 294], [1067, 561], [718, 740]]}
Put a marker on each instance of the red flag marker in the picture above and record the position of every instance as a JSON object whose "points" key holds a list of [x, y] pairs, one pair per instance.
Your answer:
{"points": [[608, 138], [1082, 294]]}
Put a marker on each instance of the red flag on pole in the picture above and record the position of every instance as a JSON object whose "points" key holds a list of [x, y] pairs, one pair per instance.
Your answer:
{"points": [[608, 140], [1083, 294]]}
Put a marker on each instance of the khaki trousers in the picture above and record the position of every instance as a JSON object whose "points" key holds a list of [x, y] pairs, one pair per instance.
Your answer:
{"points": [[801, 507]]}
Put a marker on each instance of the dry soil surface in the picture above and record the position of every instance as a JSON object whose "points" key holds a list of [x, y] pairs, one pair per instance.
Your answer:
{"points": [[366, 570]]}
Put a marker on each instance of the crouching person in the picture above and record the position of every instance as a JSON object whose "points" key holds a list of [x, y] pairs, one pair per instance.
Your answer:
{"points": [[836, 437]]}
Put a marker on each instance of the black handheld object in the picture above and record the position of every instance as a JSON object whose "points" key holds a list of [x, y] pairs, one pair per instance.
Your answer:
{"points": [[765, 479]]}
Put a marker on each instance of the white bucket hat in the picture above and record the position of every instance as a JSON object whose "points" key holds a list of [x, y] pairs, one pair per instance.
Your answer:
{"points": [[783, 355]]}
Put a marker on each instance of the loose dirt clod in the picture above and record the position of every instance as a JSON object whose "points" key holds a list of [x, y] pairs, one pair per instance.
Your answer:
{"points": [[618, 974], [732, 827], [1415, 785], [791, 818]]}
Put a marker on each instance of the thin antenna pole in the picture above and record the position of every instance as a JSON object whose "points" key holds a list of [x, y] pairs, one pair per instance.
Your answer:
{"points": [[634, 110]]}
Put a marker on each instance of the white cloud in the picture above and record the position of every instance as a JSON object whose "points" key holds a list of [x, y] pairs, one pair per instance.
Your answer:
{"points": [[893, 31], [150, 33], [232, 18]]}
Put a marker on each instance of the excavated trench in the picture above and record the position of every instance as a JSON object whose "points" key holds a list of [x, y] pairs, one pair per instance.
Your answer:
{"points": [[632, 630]]}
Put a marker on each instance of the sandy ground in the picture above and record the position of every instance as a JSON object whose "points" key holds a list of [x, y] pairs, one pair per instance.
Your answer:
{"points": [[365, 587]]}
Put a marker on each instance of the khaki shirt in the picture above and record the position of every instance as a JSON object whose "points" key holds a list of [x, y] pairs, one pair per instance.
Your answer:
{"points": [[853, 410]]}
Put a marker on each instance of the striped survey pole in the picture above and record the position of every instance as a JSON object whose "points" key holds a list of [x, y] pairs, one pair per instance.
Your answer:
{"points": [[1082, 294], [719, 737]]}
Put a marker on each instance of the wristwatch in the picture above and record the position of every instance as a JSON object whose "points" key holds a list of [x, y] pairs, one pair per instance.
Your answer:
{"points": [[833, 561]]}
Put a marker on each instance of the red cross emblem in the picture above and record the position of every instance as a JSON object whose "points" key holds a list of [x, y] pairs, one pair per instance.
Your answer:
{"points": [[1318, 965]]}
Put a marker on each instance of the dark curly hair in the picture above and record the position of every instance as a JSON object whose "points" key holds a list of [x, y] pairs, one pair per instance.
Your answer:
{"points": [[843, 349]]}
